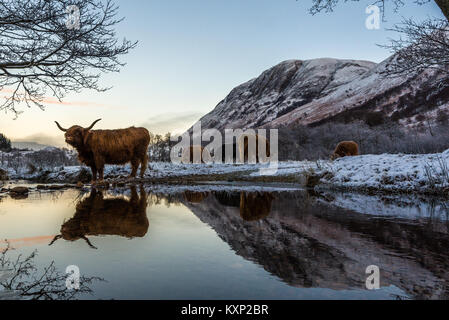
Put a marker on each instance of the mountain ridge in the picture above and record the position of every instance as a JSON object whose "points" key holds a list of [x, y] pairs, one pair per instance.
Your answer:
{"points": [[310, 92]]}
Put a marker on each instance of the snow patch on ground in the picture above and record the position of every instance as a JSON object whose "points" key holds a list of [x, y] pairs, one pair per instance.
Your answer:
{"points": [[387, 172], [395, 172]]}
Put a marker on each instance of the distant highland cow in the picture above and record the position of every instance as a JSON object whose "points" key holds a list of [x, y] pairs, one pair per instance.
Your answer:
{"points": [[245, 141], [99, 147], [345, 149], [188, 155], [242, 147]]}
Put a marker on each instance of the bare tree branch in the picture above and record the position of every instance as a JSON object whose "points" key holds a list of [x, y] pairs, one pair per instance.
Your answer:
{"points": [[422, 45], [41, 55], [329, 5]]}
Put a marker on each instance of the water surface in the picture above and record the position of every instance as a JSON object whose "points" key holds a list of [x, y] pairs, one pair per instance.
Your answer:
{"points": [[202, 244]]}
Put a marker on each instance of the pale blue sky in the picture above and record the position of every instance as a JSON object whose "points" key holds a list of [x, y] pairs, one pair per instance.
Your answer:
{"points": [[191, 53]]}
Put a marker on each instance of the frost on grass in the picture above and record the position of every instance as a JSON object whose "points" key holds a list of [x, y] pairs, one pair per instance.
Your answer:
{"points": [[393, 172], [387, 172]]}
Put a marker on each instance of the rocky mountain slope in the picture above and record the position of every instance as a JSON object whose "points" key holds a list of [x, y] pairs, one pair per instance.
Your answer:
{"points": [[314, 91]]}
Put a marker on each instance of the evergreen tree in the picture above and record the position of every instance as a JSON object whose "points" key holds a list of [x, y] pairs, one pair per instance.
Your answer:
{"points": [[5, 143]]}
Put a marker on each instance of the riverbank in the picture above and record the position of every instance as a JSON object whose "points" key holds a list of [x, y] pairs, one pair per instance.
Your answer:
{"points": [[390, 173], [385, 173]]}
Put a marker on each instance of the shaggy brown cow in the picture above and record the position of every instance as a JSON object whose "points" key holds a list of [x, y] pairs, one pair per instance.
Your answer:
{"points": [[96, 215], [344, 149], [259, 140], [188, 154], [99, 147]]}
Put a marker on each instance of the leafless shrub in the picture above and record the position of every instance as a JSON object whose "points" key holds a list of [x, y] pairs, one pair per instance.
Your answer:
{"points": [[37, 160], [26, 281], [437, 174], [31, 168]]}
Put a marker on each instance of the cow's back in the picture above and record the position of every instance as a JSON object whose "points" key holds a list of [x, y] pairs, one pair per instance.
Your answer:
{"points": [[121, 145], [347, 148]]}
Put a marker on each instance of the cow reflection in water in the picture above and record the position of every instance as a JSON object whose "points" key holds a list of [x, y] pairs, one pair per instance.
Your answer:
{"points": [[253, 205], [96, 215], [195, 197]]}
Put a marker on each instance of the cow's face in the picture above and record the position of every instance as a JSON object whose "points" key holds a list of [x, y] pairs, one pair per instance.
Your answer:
{"points": [[71, 232], [75, 135], [335, 156]]}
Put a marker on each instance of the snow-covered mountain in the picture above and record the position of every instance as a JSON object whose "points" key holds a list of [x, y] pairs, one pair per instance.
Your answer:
{"points": [[314, 91], [28, 145]]}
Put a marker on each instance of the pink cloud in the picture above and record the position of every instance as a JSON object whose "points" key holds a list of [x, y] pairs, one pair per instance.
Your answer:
{"points": [[51, 100]]}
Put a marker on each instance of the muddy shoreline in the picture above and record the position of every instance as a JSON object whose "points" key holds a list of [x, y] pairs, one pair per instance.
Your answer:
{"points": [[225, 181], [342, 175]]}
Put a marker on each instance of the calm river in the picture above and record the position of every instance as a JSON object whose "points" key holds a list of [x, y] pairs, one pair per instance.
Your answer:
{"points": [[233, 244]]}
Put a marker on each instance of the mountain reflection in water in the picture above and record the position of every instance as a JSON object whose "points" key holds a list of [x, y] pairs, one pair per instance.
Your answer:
{"points": [[290, 240], [253, 205], [309, 242]]}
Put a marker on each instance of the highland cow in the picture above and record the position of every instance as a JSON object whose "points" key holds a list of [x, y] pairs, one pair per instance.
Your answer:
{"points": [[188, 155], [345, 149], [245, 141], [99, 147]]}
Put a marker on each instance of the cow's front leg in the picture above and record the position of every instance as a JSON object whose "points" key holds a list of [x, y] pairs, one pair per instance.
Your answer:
{"points": [[101, 172], [99, 165], [94, 173]]}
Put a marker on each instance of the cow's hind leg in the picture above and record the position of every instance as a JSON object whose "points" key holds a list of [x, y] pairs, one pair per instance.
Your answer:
{"points": [[143, 165]]}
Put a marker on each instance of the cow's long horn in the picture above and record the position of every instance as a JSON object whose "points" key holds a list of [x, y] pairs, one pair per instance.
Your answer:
{"points": [[59, 236], [92, 125], [59, 126], [88, 242]]}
